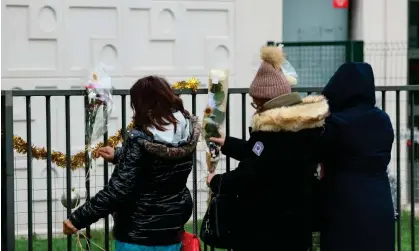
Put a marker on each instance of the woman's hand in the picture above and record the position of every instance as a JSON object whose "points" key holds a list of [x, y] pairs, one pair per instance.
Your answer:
{"points": [[219, 141], [107, 153], [68, 228]]}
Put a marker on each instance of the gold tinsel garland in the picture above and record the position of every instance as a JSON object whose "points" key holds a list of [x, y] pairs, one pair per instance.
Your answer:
{"points": [[77, 160], [191, 83]]}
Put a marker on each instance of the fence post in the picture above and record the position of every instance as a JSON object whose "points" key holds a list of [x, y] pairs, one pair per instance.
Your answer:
{"points": [[7, 174], [358, 51], [354, 51]]}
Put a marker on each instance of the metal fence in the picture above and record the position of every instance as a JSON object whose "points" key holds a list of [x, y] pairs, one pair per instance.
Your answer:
{"points": [[315, 62], [403, 166]]}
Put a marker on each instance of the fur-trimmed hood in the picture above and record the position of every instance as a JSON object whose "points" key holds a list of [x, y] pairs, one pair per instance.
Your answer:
{"points": [[173, 152], [310, 113]]}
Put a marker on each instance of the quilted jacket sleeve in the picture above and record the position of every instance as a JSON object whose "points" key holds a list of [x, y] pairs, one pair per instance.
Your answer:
{"points": [[117, 155], [121, 185]]}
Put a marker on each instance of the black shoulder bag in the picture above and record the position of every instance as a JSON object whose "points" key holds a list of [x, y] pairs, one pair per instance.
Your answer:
{"points": [[218, 223]]}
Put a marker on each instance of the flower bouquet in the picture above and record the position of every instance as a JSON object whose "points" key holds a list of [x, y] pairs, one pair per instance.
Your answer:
{"points": [[214, 114], [98, 109]]}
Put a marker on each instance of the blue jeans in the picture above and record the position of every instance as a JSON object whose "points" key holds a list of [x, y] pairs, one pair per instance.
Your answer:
{"points": [[122, 246]]}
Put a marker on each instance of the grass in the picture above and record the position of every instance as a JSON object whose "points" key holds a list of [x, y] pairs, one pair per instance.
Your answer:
{"points": [[405, 232], [98, 237], [60, 243]]}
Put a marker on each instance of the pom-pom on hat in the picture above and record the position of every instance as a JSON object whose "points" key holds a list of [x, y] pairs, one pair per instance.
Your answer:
{"points": [[270, 81]]}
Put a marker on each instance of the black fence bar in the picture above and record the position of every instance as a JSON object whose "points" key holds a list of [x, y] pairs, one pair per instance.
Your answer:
{"points": [[195, 180], [228, 128], [3, 173], [87, 166], [124, 115], [49, 171], [227, 134], [398, 192], [244, 131], [29, 171], [383, 100], [106, 174], [412, 171], [68, 162], [8, 176]]}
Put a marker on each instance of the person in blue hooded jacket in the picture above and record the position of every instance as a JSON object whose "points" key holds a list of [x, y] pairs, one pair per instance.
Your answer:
{"points": [[357, 209]]}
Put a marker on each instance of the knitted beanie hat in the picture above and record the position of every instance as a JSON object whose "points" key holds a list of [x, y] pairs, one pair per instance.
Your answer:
{"points": [[270, 82]]}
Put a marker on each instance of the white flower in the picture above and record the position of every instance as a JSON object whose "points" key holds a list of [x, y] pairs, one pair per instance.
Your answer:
{"points": [[91, 95]]}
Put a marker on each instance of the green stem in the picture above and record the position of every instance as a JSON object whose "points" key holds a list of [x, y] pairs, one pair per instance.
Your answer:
{"points": [[92, 117]]}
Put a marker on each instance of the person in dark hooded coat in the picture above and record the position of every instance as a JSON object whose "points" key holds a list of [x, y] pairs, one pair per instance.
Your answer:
{"points": [[357, 209]]}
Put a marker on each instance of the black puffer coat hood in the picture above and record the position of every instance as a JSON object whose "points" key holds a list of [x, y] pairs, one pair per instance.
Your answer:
{"points": [[351, 85], [147, 192]]}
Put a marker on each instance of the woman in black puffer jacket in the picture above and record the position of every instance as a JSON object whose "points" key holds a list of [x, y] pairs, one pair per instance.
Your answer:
{"points": [[147, 191]]}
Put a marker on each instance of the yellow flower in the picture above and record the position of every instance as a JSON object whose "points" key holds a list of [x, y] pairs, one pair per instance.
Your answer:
{"points": [[94, 76], [207, 111]]}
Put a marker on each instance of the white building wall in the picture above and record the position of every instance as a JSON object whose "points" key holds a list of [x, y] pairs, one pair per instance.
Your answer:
{"points": [[51, 45], [382, 25]]}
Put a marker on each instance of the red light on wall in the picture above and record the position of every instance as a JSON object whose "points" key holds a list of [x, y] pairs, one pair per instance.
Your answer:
{"points": [[340, 4]]}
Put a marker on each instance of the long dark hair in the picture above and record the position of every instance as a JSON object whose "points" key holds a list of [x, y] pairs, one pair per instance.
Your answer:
{"points": [[154, 102]]}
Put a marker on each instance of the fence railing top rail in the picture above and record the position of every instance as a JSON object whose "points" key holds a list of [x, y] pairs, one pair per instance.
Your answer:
{"points": [[27, 93], [317, 43]]}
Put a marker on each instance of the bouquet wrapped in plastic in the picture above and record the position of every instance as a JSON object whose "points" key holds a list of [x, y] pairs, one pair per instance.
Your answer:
{"points": [[98, 109], [287, 68], [214, 114], [100, 104]]}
